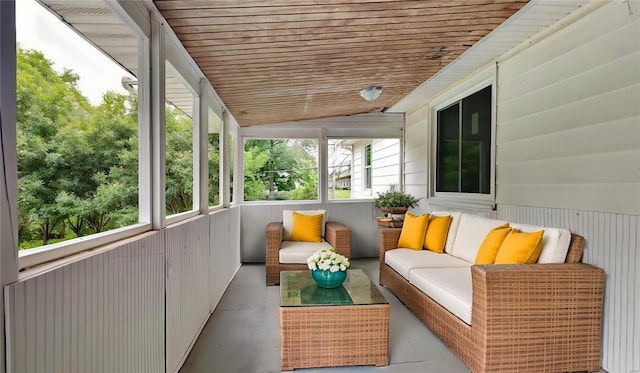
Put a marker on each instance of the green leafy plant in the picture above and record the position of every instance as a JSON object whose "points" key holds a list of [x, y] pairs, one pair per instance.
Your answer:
{"points": [[394, 198]]}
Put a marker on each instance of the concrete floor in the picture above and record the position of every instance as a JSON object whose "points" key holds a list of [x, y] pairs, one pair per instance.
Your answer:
{"points": [[243, 336]]}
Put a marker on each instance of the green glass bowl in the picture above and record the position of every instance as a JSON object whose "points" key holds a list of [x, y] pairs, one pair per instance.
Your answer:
{"points": [[327, 279]]}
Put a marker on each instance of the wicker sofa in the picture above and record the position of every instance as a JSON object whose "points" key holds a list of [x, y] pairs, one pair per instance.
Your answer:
{"points": [[285, 255], [521, 318]]}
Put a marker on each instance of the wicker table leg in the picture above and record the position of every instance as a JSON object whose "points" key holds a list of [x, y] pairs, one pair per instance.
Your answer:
{"points": [[325, 336]]}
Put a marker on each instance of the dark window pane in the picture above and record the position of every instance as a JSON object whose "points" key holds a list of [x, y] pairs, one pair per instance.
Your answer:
{"points": [[448, 164], [476, 142]]}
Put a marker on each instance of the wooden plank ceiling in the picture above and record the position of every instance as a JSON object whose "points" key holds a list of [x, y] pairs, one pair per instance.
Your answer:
{"points": [[274, 61]]}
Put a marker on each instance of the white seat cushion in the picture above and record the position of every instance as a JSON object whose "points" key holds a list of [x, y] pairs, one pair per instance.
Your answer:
{"points": [[287, 221], [450, 287], [471, 232], [453, 228], [555, 242], [298, 252], [405, 260]]}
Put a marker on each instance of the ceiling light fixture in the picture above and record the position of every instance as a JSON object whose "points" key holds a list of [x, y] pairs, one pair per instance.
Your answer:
{"points": [[371, 93]]}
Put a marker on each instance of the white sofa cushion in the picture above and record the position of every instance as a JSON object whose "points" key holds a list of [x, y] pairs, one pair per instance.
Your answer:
{"points": [[450, 287], [287, 221], [298, 252], [555, 242], [471, 232], [453, 228], [405, 260]]}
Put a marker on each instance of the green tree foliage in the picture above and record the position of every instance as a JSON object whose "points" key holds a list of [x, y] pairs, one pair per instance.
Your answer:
{"points": [[280, 169], [179, 161], [77, 164]]}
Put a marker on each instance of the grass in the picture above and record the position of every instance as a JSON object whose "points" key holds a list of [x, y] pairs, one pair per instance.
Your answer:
{"points": [[341, 194]]}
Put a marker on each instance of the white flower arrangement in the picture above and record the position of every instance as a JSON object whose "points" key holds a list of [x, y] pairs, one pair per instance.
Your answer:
{"points": [[328, 259]]}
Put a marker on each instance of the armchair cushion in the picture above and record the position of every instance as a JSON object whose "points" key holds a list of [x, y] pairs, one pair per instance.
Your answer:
{"points": [[287, 221], [292, 252]]}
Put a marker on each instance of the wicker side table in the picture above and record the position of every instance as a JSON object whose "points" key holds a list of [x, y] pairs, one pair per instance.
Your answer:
{"points": [[345, 326]]}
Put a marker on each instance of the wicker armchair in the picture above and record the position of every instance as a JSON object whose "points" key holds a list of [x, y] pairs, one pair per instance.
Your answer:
{"points": [[336, 234]]}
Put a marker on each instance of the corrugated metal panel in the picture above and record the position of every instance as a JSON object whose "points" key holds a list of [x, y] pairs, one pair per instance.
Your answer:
{"points": [[97, 314], [187, 286], [357, 215], [612, 242], [569, 116]]}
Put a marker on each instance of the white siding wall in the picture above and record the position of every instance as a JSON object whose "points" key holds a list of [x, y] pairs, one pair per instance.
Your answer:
{"points": [[187, 286], [416, 148], [101, 313], [569, 117], [385, 163], [224, 251], [104, 311], [357, 171], [568, 154]]}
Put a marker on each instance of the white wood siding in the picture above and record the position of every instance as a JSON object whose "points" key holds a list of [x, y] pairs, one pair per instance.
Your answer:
{"points": [[416, 151], [357, 170], [101, 313], [385, 164], [104, 311], [569, 117], [224, 251], [187, 286]]}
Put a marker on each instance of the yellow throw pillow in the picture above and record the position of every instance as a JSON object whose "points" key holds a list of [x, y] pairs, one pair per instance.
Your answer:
{"points": [[306, 228], [491, 244], [520, 248], [437, 231], [413, 230]]}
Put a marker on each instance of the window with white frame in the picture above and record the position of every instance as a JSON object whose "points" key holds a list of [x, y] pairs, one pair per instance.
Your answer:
{"points": [[367, 168], [464, 145], [214, 125], [280, 169], [356, 168], [179, 143], [77, 129]]}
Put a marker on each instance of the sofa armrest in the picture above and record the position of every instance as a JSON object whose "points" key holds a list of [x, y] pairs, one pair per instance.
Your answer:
{"points": [[339, 236], [388, 240], [553, 309], [274, 240]]}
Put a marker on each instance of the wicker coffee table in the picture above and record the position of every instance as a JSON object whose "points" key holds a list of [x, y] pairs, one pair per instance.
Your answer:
{"points": [[320, 327]]}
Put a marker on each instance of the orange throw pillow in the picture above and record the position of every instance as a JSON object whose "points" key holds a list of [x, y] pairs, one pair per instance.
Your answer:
{"points": [[491, 244], [413, 230], [520, 248], [306, 228], [437, 231]]}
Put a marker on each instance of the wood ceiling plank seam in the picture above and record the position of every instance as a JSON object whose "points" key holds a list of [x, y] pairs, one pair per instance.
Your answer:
{"points": [[222, 33], [363, 19], [401, 8], [313, 44], [165, 5], [339, 52], [310, 26], [293, 34]]}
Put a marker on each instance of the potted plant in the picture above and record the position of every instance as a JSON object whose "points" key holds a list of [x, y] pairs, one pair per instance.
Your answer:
{"points": [[394, 201]]}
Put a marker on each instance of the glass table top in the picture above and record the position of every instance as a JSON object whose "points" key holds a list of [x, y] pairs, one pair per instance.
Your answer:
{"points": [[297, 289]]}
